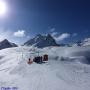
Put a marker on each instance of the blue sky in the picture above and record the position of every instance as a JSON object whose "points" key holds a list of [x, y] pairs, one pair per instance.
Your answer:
{"points": [[66, 20]]}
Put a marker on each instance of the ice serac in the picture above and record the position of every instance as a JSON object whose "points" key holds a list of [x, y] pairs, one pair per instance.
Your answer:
{"points": [[41, 41], [6, 44]]}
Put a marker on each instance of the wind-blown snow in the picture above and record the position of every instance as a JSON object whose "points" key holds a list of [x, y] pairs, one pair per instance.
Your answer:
{"points": [[67, 69]]}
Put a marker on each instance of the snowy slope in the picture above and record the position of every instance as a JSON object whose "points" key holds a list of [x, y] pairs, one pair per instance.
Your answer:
{"points": [[69, 73]]}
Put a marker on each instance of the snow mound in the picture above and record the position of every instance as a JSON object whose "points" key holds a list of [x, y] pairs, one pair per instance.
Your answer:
{"points": [[69, 54], [66, 69]]}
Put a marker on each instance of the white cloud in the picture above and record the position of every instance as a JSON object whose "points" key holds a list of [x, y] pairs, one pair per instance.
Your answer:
{"points": [[28, 37], [52, 29], [87, 39], [54, 34], [19, 33], [5, 34], [74, 34], [62, 36], [9, 34]]}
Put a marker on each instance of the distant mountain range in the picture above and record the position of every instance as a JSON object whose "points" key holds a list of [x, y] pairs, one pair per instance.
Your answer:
{"points": [[6, 44], [85, 42], [41, 41]]}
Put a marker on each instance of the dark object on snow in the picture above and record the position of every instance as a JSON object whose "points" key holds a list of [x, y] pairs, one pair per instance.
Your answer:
{"points": [[29, 61], [45, 57], [38, 59], [62, 58], [41, 59]]}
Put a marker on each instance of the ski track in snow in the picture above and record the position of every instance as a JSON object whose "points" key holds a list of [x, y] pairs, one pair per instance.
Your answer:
{"points": [[53, 75]]}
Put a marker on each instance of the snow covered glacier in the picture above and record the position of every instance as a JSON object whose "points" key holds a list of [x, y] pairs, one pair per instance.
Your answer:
{"points": [[68, 68]]}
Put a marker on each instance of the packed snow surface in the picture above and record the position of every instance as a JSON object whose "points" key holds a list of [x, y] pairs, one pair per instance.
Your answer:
{"points": [[67, 69]]}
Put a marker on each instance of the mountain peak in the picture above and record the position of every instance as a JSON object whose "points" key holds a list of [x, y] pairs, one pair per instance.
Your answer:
{"points": [[42, 41], [6, 44], [39, 35], [5, 40], [49, 35]]}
